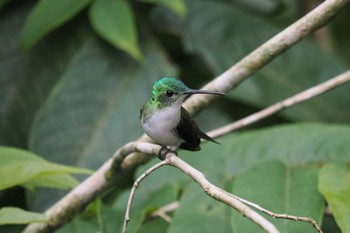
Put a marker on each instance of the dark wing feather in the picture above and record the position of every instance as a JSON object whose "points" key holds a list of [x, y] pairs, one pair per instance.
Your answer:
{"points": [[189, 131]]}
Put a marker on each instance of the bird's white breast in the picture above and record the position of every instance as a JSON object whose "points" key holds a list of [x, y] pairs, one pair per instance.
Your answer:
{"points": [[160, 125]]}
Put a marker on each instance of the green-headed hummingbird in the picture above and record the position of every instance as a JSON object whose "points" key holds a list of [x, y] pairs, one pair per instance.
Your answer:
{"points": [[167, 122]]}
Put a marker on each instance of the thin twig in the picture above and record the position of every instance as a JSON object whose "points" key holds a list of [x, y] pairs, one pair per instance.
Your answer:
{"points": [[286, 103], [133, 189], [220, 194], [210, 189], [284, 216], [228, 198], [162, 211], [240, 204]]}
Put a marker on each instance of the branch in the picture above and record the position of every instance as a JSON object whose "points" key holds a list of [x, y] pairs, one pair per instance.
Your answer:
{"points": [[162, 211], [283, 216], [209, 188], [105, 177], [284, 104], [267, 52], [221, 195], [240, 204], [95, 185], [133, 189]]}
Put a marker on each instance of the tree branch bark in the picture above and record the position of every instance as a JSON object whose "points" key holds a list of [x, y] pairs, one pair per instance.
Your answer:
{"points": [[272, 48], [284, 104]]}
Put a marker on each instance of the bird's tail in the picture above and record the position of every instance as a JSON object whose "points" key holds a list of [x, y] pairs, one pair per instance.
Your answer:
{"points": [[206, 137]]}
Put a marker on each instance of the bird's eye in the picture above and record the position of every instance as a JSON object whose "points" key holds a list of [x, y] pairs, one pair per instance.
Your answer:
{"points": [[169, 93]]}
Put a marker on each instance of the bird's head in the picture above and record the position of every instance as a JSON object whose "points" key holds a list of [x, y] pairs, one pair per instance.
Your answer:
{"points": [[169, 91]]}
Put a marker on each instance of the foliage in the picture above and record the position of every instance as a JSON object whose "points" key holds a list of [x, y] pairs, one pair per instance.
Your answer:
{"points": [[32, 170], [334, 185], [73, 75], [22, 217]]}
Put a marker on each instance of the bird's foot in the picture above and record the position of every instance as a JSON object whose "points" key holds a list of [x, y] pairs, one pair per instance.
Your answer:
{"points": [[162, 153]]}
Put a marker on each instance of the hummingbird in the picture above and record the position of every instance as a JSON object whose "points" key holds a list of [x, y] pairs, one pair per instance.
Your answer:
{"points": [[168, 123]]}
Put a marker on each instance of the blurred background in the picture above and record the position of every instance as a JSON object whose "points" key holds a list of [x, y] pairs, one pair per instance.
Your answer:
{"points": [[74, 74]]}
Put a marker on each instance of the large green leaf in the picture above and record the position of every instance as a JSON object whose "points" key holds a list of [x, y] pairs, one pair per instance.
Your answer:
{"points": [[26, 80], [222, 34], [11, 215], [261, 7], [99, 217], [280, 189], [156, 226], [94, 108], [145, 202], [334, 184], [46, 16], [199, 213], [110, 217], [78, 225], [3, 3], [28, 166], [178, 6], [294, 144], [58, 181], [114, 21], [9, 57], [340, 38]]}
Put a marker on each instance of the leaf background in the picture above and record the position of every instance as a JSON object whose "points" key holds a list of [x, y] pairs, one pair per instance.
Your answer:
{"points": [[74, 98]]}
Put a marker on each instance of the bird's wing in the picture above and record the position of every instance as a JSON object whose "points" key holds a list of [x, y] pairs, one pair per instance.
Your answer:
{"points": [[189, 131]]}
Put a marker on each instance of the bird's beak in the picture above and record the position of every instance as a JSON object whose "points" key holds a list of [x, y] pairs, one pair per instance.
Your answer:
{"points": [[191, 92]]}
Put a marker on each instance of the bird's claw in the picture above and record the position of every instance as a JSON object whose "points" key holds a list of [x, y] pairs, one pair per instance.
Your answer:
{"points": [[162, 153]]}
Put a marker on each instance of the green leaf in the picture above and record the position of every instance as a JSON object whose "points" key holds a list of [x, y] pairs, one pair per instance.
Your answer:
{"points": [[178, 6], [10, 215], [114, 21], [52, 181], [282, 190], [340, 39], [80, 224], [28, 166], [199, 213], [24, 82], [157, 225], [3, 3], [145, 202], [94, 108], [46, 16], [107, 220], [294, 144], [261, 7], [334, 184]]}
